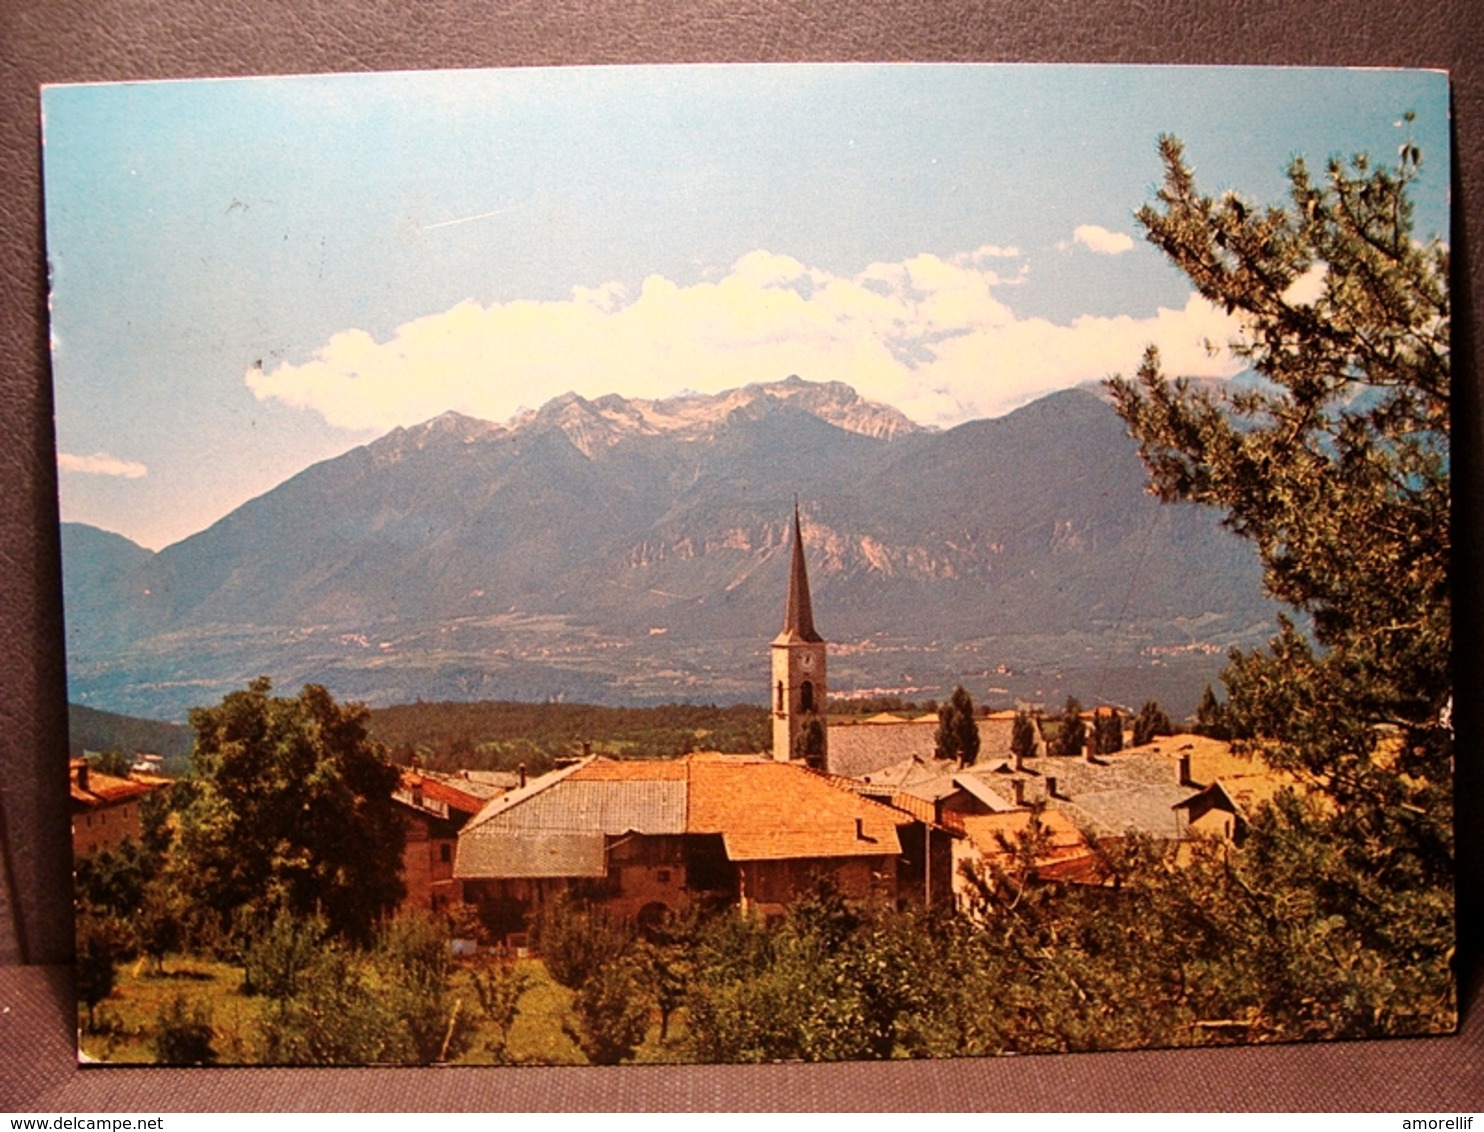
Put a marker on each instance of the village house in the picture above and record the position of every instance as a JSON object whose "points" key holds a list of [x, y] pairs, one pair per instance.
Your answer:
{"points": [[106, 809], [1173, 789], [434, 808], [643, 839], [1229, 788]]}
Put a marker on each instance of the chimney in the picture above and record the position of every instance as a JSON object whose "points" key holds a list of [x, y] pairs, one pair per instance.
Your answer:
{"points": [[587, 749], [860, 829], [521, 770], [1185, 779], [1018, 785], [1051, 786], [82, 774]]}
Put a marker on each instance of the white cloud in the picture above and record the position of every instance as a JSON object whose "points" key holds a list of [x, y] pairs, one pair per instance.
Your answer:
{"points": [[101, 464], [1308, 288], [1101, 240], [927, 334]]}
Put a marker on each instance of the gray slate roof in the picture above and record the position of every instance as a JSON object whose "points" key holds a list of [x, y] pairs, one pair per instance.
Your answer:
{"points": [[555, 826], [507, 853], [612, 808], [1118, 793]]}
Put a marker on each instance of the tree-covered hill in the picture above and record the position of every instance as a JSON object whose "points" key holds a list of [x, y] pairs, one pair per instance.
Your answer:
{"points": [[92, 730], [502, 735]]}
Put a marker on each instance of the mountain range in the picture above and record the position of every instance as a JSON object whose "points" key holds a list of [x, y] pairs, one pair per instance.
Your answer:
{"points": [[625, 551]]}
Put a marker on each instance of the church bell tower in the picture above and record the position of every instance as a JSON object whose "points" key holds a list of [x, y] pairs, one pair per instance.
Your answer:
{"points": [[799, 680]]}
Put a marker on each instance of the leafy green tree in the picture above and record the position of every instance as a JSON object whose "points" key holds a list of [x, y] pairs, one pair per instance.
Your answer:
{"points": [[161, 921], [113, 880], [1150, 723], [155, 832], [667, 958], [1211, 717], [112, 762], [499, 989], [1334, 462], [98, 950], [957, 736], [338, 1015], [414, 963], [610, 1012], [280, 951], [576, 942], [293, 808]]}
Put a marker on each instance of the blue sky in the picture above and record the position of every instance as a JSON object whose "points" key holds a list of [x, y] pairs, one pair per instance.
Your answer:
{"points": [[253, 275]]}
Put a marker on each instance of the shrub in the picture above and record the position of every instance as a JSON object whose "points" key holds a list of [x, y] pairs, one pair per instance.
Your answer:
{"points": [[184, 1037], [278, 955], [499, 989], [575, 943], [610, 1013], [414, 963], [98, 949]]}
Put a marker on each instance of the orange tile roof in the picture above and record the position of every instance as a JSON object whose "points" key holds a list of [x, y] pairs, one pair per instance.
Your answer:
{"points": [[631, 770], [1209, 758], [436, 790], [106, 790], [1062, 839], [767, 810], [917, 808]]}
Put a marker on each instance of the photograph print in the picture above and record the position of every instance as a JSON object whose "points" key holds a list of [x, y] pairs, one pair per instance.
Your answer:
{"points": [[754, 563]]}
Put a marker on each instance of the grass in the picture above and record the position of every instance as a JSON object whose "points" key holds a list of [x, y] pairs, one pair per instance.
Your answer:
{"points": [[128, 1018]]}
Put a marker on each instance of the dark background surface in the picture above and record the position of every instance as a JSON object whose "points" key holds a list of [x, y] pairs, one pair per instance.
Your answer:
{"points": [[103, 40]]}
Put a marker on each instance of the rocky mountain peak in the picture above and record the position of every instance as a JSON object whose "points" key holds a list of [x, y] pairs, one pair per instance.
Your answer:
{"points": [[594, 425], [446, 427]]}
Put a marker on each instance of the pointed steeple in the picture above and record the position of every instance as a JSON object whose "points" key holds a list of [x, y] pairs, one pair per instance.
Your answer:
{"points": [[798, 617]]}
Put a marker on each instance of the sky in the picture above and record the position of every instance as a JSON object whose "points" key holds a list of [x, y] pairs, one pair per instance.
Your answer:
{"points": [[252, 275]]}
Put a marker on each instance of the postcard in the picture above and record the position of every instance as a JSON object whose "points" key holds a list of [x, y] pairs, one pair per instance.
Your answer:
{"points": [[754, 563]]}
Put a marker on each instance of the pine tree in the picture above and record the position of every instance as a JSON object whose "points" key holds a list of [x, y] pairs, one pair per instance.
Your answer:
{"points": [[1071, 732], [1334, 462], [1023, 735], [1150, 723], [957, 736], [1107, 731]]}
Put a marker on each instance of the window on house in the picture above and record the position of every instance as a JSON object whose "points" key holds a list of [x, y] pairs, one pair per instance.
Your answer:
{"points": [[780, 696], [445, 852], [806, 696]]}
